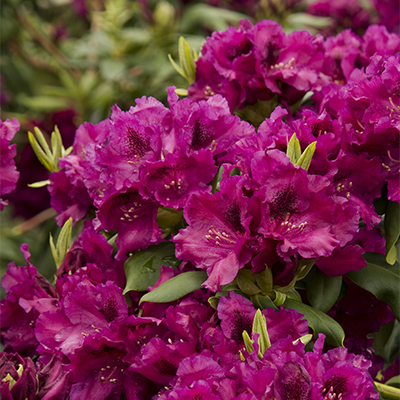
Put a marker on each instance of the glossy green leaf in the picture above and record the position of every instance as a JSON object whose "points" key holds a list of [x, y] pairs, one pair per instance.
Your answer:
{"points": [[392, 230], [176, 287], [322, 290], [142, 269], [395, 381], [263, 302], [265, 280], [319, 322], [381, 279]]}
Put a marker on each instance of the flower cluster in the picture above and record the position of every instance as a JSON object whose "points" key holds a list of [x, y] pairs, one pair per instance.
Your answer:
{"points": [[91, 344], [248, 211]]}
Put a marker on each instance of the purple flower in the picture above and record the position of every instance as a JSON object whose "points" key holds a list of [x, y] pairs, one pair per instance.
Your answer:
{"points": [[8, 173], [69, 196], [91, 247], [217, 233], [133, 217], [236, 314], [158, 361], [297, 211], [124, 142], [83, 311], [294, 59], [172, 180], [206, 125], [28, 295], [54, 378], [346, 375]]}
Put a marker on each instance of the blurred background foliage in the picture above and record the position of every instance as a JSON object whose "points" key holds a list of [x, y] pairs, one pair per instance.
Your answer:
{"points": [[64, 62]]}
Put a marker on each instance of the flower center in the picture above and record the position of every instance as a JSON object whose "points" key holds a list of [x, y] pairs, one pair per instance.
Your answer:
{"points": [[335, 387], [201, 136], [283, 204], [232, 216], [137, 144]]}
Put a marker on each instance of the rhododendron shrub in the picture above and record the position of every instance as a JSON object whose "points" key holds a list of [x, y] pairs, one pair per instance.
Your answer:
{"points": [[218, 257]]}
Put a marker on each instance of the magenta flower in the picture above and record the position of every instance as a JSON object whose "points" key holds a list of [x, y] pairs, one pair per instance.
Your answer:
{"points": [[133, 217], [172, 180], [8, 172], [217, 233], [28, 295]]}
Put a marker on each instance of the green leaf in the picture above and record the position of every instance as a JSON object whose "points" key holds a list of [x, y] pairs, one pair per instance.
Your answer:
{"points": [[305, 159], [176, 287], [248, 342], [387, 392], [260, 327], [177, 67], [39, 184], [245, 283], [64, 242], [265, 280], [395, 381], [322, 290], [40, 154], [263, 302], [392, 230], [319, 322], [304, 339], [293, 150], [381, 279], [279, 298], [186, 60], [142, 269]]}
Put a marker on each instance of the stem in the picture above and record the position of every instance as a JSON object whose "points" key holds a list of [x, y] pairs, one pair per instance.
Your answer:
{"points": [[388, 392], [34, 222], [46, 43]]}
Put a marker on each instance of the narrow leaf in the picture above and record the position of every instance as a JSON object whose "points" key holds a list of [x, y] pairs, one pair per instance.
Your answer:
{"points": [[40, 154], [381, 279], [64, 241], [392, 230], [322, 290], [185, 59], [39, 184], [56, 145], [319, 322], [54, 251], [304, 339], [305, 159], [260, 327], [293, 150], [247, 342], [176, 287], [43, 142], [177, 67]]}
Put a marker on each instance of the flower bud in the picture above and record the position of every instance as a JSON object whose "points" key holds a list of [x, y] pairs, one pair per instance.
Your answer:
{"points": [[17, 377]]}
